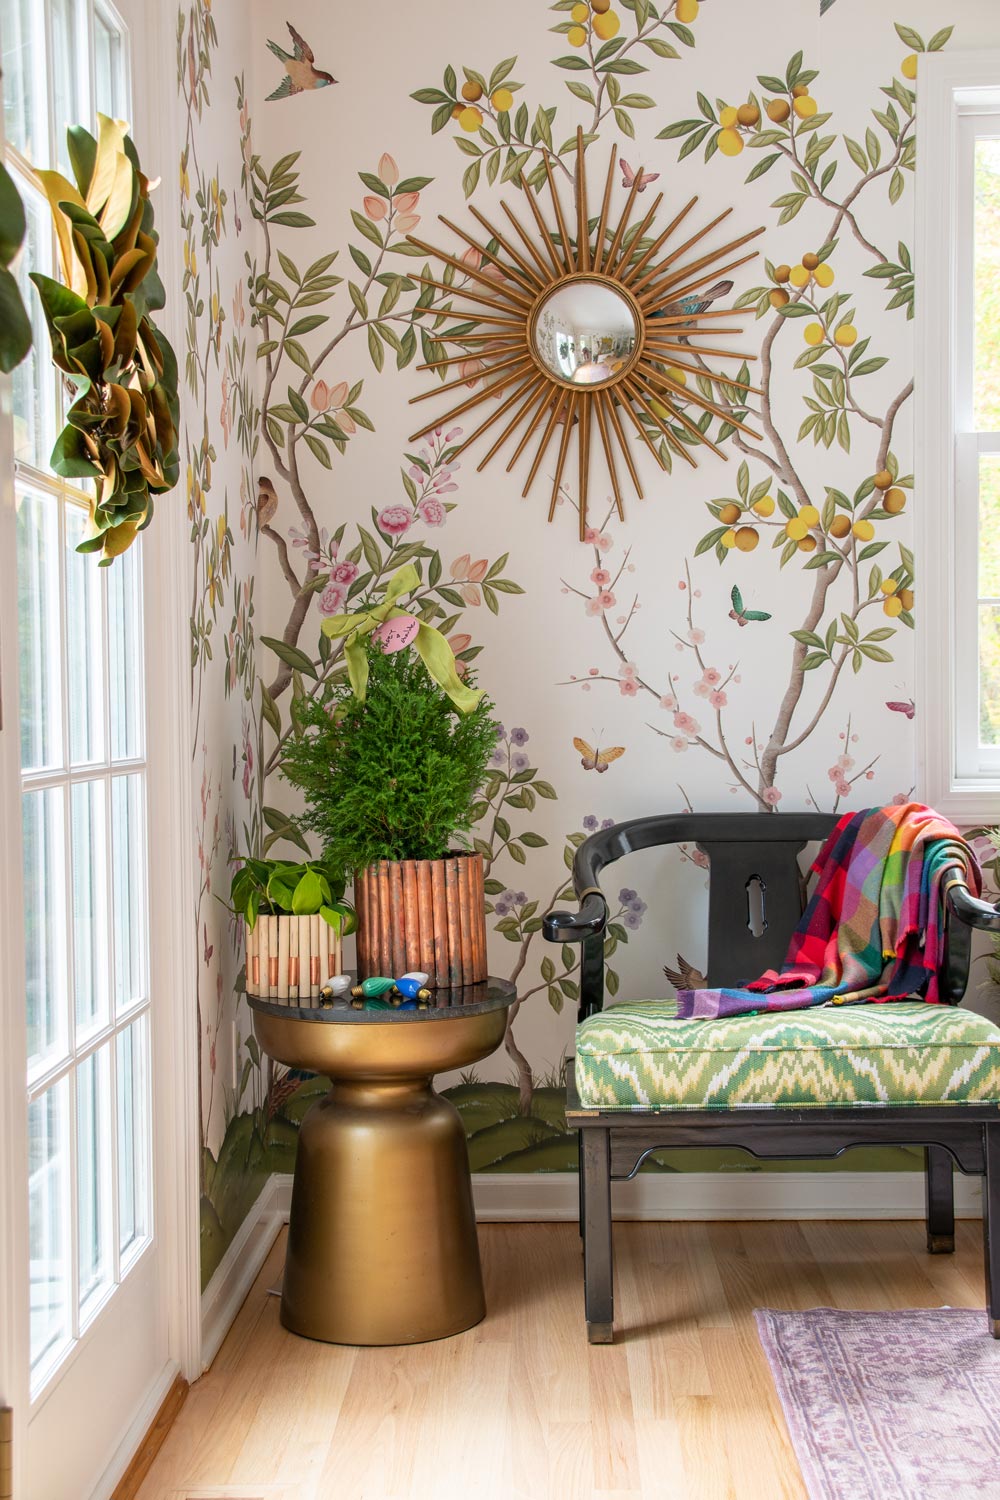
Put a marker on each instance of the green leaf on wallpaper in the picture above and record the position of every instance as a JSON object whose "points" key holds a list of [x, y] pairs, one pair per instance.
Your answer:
{"points": [[292, 220], [940, 38], [470, 178], [500, 72], [292, 656], [365, 227], [909, 37], [764, 165], [895, 186], [298, 356], [624, 123], [298, 405], [683, 33], [571, 64], [319, 450], [375, 349]]}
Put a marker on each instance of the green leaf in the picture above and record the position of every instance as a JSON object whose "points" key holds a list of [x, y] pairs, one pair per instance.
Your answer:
{"points": [[291, 655]]}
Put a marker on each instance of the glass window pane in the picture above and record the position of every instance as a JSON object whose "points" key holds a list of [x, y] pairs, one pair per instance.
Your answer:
{"points": [[93, 1173], [989, 674], [989, 526], [128, 865], [69, 81], [125, 654], [986, 395], [49, 1221], [90, 904], [34, 382], [25, 112], [134, 1222], [39, 653], [109, 67], [44, 846], [84, 645]]}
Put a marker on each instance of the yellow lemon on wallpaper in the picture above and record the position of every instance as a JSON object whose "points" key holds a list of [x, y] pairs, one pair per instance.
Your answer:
{"points": [[814, 333], [893, 501], [576, 36], [728, 538], [764, 506], [908, 67], [823, 274], [805, 106], [728, 116], [580, 12], [746, 539], [687, 10], [863, 530], [799, 277], [846, 335], [729, 513], [730, 142], [796, 529], [840, 526], [810, 515], [659, 410], [893, 607], [470, 119], [607, 26], [501, 99], [679, 377], [889, 585]]}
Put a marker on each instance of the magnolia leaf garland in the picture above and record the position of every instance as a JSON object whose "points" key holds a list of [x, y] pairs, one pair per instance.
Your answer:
{"points": [[433, 648], [15, 326], [121, 430]]}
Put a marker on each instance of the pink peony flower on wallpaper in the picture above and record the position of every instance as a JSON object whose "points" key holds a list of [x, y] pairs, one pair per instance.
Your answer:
{"points": [[333, 599], [344, 572], [431, 511], [394, 520]]}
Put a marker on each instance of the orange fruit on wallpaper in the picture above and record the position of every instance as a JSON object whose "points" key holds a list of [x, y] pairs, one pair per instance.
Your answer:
{"points": [[908, 67], [748, 114], [905, 597], [728, 116], [846, 335], [782, 273], [576, 36], [778, 110], [607, 25], [810, 260], [814, 333], [730, 142], [729, 513], [501, 99], [471, 91], [893, 501], [863, 530], [807, 544], [764, 506], [823, 275], [882, 480], [778, 297], [470, 119], [800, 90], [687, 11], [840, 527], [746, 539], [600, 6], [457, 111], [805, 106]]}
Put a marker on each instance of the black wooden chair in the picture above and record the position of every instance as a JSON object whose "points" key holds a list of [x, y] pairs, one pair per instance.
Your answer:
{"points": [[757, 854]]}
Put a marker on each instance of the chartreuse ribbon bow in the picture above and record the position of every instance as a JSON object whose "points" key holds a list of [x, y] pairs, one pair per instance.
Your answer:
{"points": [[436, 654]]}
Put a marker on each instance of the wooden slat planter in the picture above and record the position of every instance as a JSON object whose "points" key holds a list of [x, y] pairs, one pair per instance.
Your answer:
{"points": [[291, 958], [425, 914]]}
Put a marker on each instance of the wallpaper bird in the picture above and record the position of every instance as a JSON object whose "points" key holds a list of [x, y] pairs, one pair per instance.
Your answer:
{"points": [[300, 72], [267, 502], [685, 976]]}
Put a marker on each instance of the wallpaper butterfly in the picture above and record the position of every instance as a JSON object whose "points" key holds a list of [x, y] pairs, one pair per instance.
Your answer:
{"points": [[909, 709], [744, 616], [597, 760], [629, 176]]}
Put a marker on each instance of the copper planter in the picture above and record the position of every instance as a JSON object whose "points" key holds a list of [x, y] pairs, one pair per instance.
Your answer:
{"points": [[426, 914]]}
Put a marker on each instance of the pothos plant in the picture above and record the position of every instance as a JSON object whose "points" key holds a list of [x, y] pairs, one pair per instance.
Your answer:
{"points": [[273, 887], [121, 430]]}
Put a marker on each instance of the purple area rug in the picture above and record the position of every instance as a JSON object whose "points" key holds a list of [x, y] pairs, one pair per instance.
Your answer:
{"points": [[889, 1405]]}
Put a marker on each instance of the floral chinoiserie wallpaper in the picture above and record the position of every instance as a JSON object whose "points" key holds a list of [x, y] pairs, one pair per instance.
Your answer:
{"points": [[742, 640]]}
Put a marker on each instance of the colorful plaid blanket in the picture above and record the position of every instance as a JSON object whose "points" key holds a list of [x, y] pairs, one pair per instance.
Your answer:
{"points": [[873, 928]]}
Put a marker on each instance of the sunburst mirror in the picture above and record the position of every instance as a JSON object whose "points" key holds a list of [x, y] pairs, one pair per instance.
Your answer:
{"points": [[584, 329]]}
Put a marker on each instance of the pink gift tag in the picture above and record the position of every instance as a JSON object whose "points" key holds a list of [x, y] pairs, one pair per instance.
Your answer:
{"points": [[397, 634]]}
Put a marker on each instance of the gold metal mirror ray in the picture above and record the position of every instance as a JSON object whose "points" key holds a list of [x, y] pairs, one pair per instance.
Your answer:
{"points": [[592, 326]]}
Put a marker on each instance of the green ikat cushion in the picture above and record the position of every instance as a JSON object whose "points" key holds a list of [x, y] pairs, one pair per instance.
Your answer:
{"points": [[636, 1056]]}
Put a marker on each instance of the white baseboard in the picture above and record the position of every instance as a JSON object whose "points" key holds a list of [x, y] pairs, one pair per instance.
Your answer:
{"points": [[135, 1432], [239, 1267], [543, 1197]]}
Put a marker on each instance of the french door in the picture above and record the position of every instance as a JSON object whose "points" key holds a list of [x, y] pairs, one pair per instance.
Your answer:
{"points": [[86, 1331]]}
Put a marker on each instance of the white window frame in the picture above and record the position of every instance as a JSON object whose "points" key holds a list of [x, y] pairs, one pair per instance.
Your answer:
{"points": [[955, 775]]}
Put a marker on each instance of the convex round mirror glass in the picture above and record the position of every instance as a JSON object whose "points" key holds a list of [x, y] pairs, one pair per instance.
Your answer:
{"points": [[586, 332]]}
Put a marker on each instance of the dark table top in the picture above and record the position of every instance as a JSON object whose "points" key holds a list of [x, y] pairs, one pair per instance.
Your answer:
{"points": [[444, 1005]]}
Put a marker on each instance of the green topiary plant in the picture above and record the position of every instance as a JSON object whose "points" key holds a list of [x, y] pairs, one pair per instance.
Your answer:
{"points": [[395, 776]]}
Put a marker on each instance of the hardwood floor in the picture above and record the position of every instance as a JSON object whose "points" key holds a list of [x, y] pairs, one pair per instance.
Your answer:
{"points": [[681, 1406]]}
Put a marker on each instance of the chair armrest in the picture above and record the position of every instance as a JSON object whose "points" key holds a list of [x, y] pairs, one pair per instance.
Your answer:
{"points": [[970, 910], [576, 926]]}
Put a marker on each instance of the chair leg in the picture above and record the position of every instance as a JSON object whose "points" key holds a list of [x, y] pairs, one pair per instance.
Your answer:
{"points": [[991, 1225], [581, 1186], [597, 1253], [940, 1181]]}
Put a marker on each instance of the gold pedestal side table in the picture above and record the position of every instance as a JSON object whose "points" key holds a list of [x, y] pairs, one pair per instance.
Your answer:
{"points": [[382, 1244]]}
